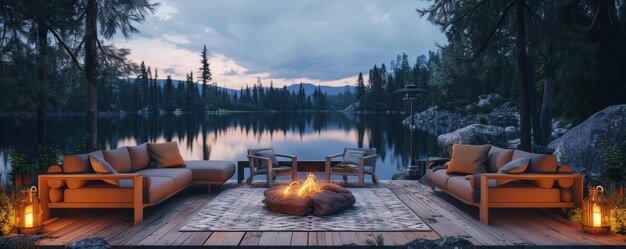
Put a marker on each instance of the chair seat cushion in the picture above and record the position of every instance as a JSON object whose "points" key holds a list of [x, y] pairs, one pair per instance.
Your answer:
{"points": [[101, 192], [212, 170], [182, 177]]}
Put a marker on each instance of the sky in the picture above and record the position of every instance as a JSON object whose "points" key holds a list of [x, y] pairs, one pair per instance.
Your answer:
{"points": [[323, 42]]}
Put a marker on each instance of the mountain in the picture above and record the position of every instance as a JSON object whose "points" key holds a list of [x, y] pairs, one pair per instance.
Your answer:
{"points": [[330, 90], [295, 87]]}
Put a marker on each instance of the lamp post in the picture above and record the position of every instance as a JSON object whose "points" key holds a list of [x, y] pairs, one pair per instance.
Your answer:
{"points": [[411, 94]]}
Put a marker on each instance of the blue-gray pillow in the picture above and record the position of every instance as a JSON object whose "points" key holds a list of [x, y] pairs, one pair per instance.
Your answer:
{"points": [[352, 156], [268, 154], [516, 166]]}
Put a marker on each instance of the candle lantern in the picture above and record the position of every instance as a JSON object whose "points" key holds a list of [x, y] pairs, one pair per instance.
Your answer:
{"points": [[596, 212], [28, 213]]}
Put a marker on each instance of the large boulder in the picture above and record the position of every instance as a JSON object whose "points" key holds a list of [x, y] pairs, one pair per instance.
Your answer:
{"points": [[473, 134], [444, 242], [584, 147]]}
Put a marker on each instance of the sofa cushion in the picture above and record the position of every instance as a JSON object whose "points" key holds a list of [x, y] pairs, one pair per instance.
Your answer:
{"points": [[182, 177], [438, 178], [497, 158], [139, 156], [166, 155], [565, 183], [539, 163], [461, 188], [78, 164], [213, 170], [516, 166], [523, 192], [101, 166], [119, 159], [518, 191], [102, 192], [468, 159], [55, 183]]}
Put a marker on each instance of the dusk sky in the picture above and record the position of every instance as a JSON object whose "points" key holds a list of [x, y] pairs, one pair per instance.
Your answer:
{"points": [[321, 42]]}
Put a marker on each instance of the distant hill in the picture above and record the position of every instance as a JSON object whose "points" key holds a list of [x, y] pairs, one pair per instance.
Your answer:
{"points": [[295, 87]]}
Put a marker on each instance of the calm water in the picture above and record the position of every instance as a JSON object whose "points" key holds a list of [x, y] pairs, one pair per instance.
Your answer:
{"points": [[310, 136]]}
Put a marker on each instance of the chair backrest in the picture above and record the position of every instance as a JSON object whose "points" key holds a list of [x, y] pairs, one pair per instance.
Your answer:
{"points": [[368, 152], [255, 163]]}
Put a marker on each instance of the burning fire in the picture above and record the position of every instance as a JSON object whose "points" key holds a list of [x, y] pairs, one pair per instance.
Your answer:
{"points": [[306, 188]]}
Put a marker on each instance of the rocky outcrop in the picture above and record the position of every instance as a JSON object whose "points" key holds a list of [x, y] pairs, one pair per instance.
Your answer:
{"points": [[89, 243], [584, 147], [444, 242], [438, 121], [473, 134]]}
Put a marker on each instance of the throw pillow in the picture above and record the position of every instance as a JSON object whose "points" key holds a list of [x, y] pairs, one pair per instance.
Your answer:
{"points": [[268, 154], [468, 159], [516, 166], [166, 155], [101, 166], [352, 157]]}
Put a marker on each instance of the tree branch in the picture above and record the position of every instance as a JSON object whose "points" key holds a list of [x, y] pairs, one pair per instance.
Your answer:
{"points": [[67, 48], [493, 32]]}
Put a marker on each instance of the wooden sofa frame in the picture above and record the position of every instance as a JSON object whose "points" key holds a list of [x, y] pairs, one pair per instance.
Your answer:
{"points": [[485, 205], [137, 204]]}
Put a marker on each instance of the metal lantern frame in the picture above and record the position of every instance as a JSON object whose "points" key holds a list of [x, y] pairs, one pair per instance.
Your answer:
{"points": [[596, 212], [411, 95], [28, 212]]}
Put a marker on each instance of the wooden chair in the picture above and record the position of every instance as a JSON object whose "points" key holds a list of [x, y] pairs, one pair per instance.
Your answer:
{"points": [[367, 165], [285, 168]]}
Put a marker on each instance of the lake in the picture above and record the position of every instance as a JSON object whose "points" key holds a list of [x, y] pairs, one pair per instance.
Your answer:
{"points": [[310, 136]]}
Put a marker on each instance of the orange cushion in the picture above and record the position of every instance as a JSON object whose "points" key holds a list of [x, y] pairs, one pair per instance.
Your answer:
{"points": [[468, 159], [166, 154]]}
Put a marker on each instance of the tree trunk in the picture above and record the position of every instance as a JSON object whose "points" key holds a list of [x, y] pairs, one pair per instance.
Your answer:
{"points": [[522, 69], [534, 101], [42, 117], [91, 36], [546, 109]]}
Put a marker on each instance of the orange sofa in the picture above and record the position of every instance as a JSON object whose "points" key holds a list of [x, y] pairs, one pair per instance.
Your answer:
{"points": [[75, 185], [544, 184]]}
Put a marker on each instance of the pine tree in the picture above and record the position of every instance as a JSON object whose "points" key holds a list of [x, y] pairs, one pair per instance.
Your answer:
{"points": [[360, 88], [205, 76]]}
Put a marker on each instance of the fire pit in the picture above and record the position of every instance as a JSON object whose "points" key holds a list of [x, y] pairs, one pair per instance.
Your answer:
{"points": [[308, 196]]}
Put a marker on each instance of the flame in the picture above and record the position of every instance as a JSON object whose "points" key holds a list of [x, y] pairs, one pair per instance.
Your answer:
{"points": [[309, 186]]}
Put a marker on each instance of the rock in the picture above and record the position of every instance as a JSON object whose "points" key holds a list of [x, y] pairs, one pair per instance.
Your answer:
{"points": [[279, 202], [584, 146], [473, 134], [89, 243], [444, 242], [509, 129], [560, 131], [332, 199], [19, 241]]}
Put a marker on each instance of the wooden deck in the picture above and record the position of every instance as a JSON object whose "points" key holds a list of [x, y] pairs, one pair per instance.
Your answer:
{"points": [[445, 215]]}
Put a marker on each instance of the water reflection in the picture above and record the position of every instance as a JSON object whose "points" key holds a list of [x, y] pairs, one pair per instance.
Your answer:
{"points": [[310, 136]]}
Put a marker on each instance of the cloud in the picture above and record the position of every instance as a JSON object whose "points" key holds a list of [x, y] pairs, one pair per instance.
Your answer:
{"points": [[283, 41], [165, 11]]}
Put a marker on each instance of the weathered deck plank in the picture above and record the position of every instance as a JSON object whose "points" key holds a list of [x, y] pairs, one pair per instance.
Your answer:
{"points": [[445, 215]]}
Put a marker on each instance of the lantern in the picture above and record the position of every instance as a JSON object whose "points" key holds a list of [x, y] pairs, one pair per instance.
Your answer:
{"points": [[28, 213], [596, 212]]}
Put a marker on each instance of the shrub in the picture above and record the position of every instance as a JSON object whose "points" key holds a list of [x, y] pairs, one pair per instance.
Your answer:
{"points": [[483, 120], [7, 210]]}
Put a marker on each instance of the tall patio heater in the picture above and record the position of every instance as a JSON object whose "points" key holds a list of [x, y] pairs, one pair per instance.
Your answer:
{"points": [[411, 96]]}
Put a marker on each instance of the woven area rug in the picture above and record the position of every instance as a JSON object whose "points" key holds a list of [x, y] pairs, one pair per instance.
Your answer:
{"points": [[240, 209]]}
